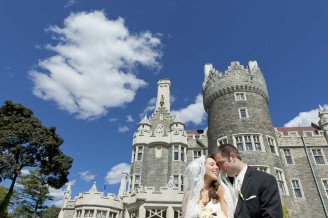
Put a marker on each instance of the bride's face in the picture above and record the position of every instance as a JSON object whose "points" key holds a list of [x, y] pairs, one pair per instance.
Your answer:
{"points": [[212, 170]]}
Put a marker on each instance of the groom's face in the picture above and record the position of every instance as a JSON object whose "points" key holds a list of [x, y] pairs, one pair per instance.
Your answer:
{"points": [[226, 164]]}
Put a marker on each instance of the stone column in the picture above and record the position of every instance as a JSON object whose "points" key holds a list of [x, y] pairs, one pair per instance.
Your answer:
{"points": [[170, 212], [142, 212]]}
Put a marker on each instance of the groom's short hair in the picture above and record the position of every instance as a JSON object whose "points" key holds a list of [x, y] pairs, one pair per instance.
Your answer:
{"points": [[226, 150]]}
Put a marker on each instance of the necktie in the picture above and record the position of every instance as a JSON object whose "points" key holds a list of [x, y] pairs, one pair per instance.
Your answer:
{"points": [[237, 189]]}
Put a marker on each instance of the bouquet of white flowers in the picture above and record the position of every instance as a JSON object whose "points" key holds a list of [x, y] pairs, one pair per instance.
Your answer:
{"points": [[212, 210]]}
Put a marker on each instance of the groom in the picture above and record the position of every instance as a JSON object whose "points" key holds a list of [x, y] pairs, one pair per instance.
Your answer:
{"points": [[257, 192]]}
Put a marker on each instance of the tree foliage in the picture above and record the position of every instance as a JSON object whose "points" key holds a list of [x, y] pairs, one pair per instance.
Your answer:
{"points": [[25, 142], [51, 212], [33, 192]]}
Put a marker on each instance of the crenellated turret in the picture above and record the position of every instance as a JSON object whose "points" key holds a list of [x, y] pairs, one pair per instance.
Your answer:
{"points": [[235, 79]]}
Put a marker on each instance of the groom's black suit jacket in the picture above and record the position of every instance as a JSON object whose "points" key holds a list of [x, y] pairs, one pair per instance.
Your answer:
{"points": [[260, 196]]}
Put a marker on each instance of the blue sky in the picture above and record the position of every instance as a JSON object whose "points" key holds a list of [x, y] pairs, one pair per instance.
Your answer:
{"points": [[91, 68]]}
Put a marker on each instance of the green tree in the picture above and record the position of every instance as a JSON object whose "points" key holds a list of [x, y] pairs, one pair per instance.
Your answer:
{"points": [[33, 192], [25, 142], [51, 212]]}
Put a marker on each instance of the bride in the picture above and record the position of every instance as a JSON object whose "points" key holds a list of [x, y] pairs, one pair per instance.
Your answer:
{"points": [[207, 191]]}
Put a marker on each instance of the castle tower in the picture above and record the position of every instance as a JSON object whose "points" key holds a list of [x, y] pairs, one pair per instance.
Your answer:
{"points": [[159, 146], [237, 106]]}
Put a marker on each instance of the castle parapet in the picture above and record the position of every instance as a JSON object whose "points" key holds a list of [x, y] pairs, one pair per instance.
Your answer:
{"points": [[236, 78]]}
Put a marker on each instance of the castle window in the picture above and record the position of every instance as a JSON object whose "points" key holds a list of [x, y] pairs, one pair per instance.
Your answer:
{"points": [[239, 143], [158, 213], [78, 213], [325, 186], [288, 156], [197, 154], [177, 213], [136, 182], [181, 182], [223, 140], [182, 154], [130, 183], [272, 145], [134, 214], [178, 181], [296, 184], [112, 214], [257, 143], [240, 96], [102, 214], [179, 153], [318, 156], [139, 152], [248, 142], [281, 181], [243, 114], [88, 213], [176, 153]]}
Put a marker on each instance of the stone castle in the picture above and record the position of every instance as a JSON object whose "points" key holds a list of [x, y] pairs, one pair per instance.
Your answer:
{"points": [[236, 102]]}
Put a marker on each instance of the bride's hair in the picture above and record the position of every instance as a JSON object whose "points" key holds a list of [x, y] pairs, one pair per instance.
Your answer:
{"points": [[213, 189]]}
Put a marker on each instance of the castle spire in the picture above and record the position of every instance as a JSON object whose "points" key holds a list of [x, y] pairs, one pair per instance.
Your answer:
{"points": [[163, 94]]}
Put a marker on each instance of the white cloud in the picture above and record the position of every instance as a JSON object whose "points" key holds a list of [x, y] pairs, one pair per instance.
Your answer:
{"points": [[193, 113], [305, 118], [86, 176], [94, 66], [114, 175], [25, 172], [70, 3], [129, 118], [113, 119], [123, 129]]}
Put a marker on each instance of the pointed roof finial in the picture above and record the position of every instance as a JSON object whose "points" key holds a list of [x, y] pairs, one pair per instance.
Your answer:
{"points": [[321, 109], [93, 188]]}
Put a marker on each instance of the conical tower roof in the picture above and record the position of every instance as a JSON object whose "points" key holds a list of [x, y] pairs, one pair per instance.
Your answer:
{"points": [[145, 121], [177, 119]]}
